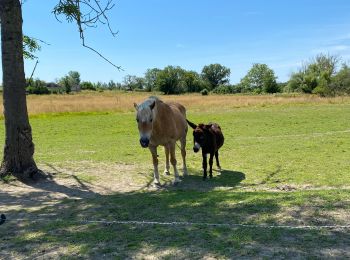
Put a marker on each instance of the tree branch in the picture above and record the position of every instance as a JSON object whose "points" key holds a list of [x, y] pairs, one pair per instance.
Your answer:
{"points": [[87, 13]]}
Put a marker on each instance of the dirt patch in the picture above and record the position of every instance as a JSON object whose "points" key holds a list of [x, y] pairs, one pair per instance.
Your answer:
{"points": [[73, 181]]}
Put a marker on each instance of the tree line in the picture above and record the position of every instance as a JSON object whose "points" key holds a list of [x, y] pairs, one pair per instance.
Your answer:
{"points": [[323, 75]]}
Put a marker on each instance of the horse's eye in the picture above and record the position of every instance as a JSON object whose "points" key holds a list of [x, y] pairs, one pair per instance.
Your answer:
{"points": [[151, 120], [137, 120]]}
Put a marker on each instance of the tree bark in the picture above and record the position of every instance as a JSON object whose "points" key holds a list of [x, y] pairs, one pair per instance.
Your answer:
{"points": [[19, 148]]}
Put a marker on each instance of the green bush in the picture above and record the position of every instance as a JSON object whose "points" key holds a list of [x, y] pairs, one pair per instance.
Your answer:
{"points": [[38, 90], [86, 85], [223, 89], [204, 92]]}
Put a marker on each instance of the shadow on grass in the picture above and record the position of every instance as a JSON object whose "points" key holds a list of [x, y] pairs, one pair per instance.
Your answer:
{"points": [[221, 179], [63, 233], [194, 181]]}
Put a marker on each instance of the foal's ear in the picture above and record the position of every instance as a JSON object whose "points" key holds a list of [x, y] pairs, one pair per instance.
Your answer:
{"points": [[194, 126], [151, 106], [136, 106]]}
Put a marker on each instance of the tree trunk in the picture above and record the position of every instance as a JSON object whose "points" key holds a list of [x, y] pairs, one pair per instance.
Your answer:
{"points": [[19, 148]]}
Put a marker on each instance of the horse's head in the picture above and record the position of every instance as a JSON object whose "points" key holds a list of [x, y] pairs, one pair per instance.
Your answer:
{"points": [[144, 118], [199, 135]]}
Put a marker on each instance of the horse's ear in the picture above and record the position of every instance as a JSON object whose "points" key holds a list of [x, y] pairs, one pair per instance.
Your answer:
{"points": [[194, 126], [136, 106], [151, 106]]}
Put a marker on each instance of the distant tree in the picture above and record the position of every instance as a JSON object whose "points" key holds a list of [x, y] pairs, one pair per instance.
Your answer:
{"points": [[150, 79], [192, 81], [74, 77], [315, 76], [340, 83], [70, 81], [259, 79], [216, 74], [87, 85], [131, 82], [112, 85], [170, 80], [65, 83]]}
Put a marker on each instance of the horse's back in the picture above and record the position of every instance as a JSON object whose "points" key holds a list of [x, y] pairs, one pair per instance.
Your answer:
{"points": [[171, 122], [216, 129], [179, 107], [179, 112]]}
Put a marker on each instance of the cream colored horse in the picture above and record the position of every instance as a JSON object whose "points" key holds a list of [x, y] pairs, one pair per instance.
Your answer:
{"points": [[163, 124]]}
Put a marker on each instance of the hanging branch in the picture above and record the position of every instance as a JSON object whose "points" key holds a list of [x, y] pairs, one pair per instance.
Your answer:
{"points": [[86, 13], [31, 75]]}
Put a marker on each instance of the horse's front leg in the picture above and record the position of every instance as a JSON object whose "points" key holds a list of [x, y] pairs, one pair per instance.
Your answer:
{"points": [[167, 164], [153, 150], [204, 155]]}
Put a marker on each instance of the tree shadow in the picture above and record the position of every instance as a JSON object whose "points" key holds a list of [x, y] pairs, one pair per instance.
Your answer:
{"points": [[56, 227]]}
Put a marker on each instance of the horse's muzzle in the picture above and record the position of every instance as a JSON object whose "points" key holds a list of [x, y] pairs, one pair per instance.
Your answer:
{"points": [[196, 147], [144, 142]]}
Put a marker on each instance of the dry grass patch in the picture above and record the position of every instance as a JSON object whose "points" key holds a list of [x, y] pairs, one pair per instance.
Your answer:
{"points": [[123, 101]]}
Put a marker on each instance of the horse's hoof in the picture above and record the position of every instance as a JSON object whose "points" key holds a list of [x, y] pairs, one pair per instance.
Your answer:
{"points": [[166, 172], [219, 168], [185, 171], [210, 176], [156, 184]]}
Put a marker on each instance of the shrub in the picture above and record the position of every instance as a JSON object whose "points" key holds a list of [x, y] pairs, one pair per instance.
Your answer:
{"points": [[223, 89], [87, 85], [204, 92], [38, 90]]}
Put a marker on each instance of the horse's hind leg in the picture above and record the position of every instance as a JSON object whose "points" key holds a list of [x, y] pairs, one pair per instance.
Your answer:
{"points": [[183, 154], [173, 162], [217, 160], [167, 164], [211, 165], [153, 150]]}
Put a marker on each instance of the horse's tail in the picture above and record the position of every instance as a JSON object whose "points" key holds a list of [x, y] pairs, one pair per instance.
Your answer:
{"points": [[2, 219]]}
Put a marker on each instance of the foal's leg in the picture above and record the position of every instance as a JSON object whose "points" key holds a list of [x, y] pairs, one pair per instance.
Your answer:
{"points": [[217, 160], [183, 154], [211, 165], [153, 150], [204, 155], [167, 165], [173, 162]]}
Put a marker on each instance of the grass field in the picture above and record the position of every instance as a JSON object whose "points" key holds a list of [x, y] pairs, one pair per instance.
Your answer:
{"points": [[285, 162]]}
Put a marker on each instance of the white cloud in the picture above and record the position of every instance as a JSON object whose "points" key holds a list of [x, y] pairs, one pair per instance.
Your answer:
{"points": [[331, 48]]}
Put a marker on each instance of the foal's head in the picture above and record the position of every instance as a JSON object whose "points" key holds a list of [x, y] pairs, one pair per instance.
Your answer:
{"points": [[144, 118], [199, 135]]}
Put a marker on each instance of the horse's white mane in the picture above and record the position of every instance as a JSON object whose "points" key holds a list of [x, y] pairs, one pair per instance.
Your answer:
{"points": [[148, 102]]}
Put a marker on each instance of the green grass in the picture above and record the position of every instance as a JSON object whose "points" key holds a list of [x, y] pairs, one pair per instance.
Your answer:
{"points": [[305, 148], [114, 240], [273, 145]]}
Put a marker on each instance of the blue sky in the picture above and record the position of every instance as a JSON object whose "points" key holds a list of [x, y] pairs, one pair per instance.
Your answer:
{"points": [[191, 34]]}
